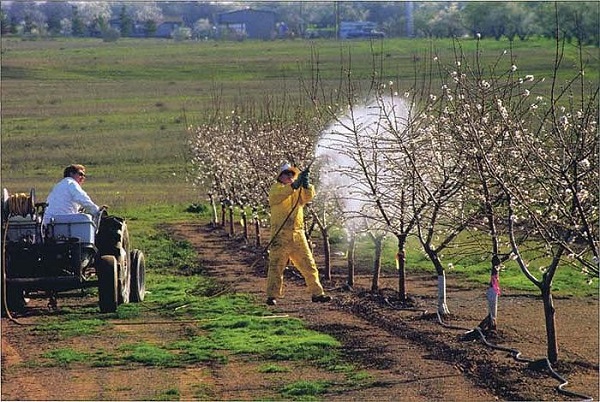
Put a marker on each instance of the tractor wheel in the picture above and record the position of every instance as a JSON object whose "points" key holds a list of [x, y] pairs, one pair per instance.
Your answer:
{"points": [[14, 302], [138, 276], [113, 239], [106, 270]]}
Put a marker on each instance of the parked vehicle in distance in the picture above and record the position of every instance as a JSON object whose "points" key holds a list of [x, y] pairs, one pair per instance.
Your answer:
{"points": [[365, 34], [359, 30]]}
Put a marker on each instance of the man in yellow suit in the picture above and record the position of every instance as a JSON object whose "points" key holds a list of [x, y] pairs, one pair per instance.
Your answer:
{"points": [[287, 198]]}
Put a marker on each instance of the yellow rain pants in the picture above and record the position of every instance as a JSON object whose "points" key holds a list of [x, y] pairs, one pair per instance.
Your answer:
{"points": [[288, 240]]}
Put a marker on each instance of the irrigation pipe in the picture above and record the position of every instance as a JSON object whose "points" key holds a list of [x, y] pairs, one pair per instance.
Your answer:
{"points": [[516, 354]]}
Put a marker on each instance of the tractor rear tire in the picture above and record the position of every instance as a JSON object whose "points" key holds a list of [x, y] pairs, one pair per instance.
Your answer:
{"points": [[106, 270], [113, 239], [13, 300], [138, 276]]}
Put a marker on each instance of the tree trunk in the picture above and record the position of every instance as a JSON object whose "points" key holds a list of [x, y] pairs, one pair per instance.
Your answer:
{"points": [[492, 294], [223, 220], [550, 322], [245, 224], [257, 230], [442, 306], [401, 266], [213, 205], [231, 226], [377, 263], [441, 272], [350, 259], [327, 253]]}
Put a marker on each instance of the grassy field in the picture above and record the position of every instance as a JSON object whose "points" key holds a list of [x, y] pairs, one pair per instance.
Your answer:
{"points": [[122, 108]]}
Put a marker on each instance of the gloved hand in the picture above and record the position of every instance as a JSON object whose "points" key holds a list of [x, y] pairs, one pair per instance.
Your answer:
{"points": [[304, 179], [296, 183]]}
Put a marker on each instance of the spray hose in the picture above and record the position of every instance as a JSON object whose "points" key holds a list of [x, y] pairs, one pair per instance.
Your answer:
{"points": [[4, 280], [20, 204], [516, 354]]}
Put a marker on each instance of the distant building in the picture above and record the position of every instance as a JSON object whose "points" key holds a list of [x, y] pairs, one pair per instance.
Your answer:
{"points": [[249, 23], [166, 28], [163, 30]]}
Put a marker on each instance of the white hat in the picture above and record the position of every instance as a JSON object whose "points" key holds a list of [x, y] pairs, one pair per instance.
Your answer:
{"points": [[287, 167]]}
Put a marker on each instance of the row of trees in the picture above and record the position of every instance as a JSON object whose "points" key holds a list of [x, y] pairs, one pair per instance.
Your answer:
{"points": [[579, 20], [486, 162]]}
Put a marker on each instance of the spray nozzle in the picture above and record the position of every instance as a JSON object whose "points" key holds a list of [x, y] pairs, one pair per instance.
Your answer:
{"points": [[307, 169]]}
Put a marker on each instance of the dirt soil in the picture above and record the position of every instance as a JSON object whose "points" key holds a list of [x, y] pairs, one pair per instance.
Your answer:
{"points": [[409, 353]]}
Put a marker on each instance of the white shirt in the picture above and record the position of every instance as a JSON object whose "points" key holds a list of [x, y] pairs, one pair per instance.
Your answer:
{"points": [[67, 197]]}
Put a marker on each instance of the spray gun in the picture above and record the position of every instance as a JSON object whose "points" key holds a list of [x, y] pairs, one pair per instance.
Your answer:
{"points": [[303, 176], [307, 169]]}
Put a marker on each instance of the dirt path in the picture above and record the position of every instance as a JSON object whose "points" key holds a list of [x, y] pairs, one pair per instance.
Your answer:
{"points": [[408, 354], [391, 360], [411, 353]]}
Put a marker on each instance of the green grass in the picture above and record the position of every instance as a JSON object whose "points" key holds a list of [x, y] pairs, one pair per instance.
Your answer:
{"points": [[227, 323], [66, 356], [171, 394], [473, 269], [305, 390], [70, 326]]}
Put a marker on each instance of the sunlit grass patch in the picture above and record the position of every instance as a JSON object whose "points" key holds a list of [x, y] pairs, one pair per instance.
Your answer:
{"points": [[273, 368], [128, 311], [66, 356], [171, 394], [305, 390], [149, 355], [271, 338], [70, 326]]}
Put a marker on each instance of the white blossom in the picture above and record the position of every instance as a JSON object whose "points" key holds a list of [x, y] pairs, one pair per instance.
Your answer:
{"points": [[563, 120], [584, 163]]}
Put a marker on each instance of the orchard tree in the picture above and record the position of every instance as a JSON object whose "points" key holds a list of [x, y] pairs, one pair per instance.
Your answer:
{"points": [[93, 15], [203, 29], [445, 23], [536, 160], [149, 14], [559, 205], [470, 112], [125, 21], [4, 23]]}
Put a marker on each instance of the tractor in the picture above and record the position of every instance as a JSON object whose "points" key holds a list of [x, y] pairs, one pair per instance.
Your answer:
{"points": [[71, 252]]}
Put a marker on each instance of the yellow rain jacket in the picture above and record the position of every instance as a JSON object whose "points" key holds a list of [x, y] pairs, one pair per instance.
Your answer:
{"points": [[288, 240]]}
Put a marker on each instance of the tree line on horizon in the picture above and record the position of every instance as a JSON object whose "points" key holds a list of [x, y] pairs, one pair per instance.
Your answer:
{"points": [[513, 20]]}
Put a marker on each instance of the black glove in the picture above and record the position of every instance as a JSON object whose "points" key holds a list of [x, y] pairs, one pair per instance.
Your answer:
{"points": [[304, 179], [297, 183]]}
